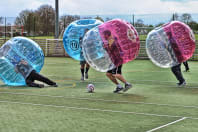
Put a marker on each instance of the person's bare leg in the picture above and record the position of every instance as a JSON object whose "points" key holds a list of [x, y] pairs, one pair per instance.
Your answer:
{"points": [[112, 78], [120, 77]]}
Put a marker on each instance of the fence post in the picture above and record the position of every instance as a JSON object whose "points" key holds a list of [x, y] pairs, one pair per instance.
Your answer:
{"points": [[34, 27], [5, 30], [173, 16], [133, 20], [46, 45]]}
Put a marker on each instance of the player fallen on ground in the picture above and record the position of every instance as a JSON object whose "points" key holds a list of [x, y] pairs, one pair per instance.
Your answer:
{"points": [[178, 74], [30, 75]]}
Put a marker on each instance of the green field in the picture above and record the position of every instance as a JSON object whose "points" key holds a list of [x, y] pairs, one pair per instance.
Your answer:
{"points": [[154, 100]]}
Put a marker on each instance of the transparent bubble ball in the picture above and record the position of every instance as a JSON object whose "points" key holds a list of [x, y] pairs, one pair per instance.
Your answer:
{"points": [[13, 51], [73, 36], [170, 44], [111, 44]]}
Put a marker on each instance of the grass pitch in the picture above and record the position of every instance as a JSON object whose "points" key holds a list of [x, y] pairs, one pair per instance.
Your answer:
{"points": [[154, 101]]}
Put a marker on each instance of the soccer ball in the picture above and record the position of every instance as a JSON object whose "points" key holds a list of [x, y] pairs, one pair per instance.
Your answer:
{"points": [[90, 88]]}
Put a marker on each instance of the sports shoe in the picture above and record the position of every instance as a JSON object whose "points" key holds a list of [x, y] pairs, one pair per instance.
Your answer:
{"points": [[82, 78], [41, 86], [118, 89], [181, 84], [127, 87], [86, 75], [55, 85]]}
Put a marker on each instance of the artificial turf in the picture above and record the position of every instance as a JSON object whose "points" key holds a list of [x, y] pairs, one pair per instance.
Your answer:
{"points": [[153, 101]]}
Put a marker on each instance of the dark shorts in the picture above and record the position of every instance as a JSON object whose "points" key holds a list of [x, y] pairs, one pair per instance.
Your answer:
{"points": [[117, 70], [82, 62]]}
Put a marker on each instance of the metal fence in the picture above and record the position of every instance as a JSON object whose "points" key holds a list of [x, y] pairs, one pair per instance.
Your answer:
{"points": [[55, 48], [30, 26]]}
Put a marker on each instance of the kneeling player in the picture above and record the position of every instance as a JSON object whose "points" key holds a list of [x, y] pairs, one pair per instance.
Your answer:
{"points": [[115, 74]]}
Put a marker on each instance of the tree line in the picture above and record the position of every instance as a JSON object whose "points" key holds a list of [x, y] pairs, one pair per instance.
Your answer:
{"points": [[41, 22], [185, 17], [38, 22]]}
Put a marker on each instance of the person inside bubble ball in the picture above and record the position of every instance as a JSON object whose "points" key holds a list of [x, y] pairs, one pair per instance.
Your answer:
{"points": [[112, 47], [83, 64], [30, 75], [176, 70], [115, 73]]}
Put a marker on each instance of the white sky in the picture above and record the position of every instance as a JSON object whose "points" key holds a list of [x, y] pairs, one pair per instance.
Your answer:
{"points": [[11, 8]]}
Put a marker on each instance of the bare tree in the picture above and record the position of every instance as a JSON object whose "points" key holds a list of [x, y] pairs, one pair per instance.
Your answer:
{"points": [[186, 18], [65, 20], [25, 18], [99, 18], [46, 19]]}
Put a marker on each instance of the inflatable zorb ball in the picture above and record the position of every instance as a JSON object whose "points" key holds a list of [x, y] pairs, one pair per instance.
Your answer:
{"points": [[110, 45], [171, 44], [73, 36], [12, 52]]}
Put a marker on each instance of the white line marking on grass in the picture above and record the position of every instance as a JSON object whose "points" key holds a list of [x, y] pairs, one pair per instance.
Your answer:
{"points": [[103, 100], [157, 82], [167, 124], [169, 86], [94, 109]]}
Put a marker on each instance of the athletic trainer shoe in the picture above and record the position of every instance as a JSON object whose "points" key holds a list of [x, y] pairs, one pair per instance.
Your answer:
{"points": [[118, 89], [181, 84], [41, 86], [127, 87], [82, 78], [55, 85], [86, 75]]}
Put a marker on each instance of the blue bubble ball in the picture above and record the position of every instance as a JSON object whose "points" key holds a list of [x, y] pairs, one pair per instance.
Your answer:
{"points": [[73, 37], [12, 52]]}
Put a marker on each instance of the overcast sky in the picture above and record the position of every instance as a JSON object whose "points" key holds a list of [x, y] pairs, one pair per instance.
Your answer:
{"points": [[12, 8]]}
